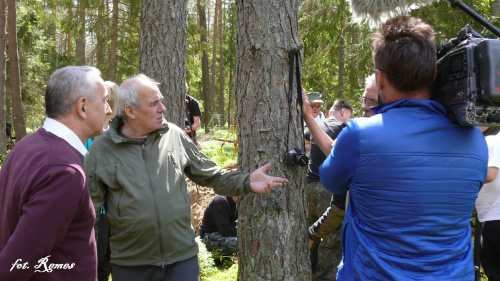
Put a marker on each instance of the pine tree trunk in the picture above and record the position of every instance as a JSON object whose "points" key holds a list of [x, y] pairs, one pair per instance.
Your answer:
{"points": [[340, 86], [162, 52], [80, 40], [213, 94], [204, 65], [101, 37], [495, 7], [15, 77], [229, 94], [114, 39], [221, 72], [3, 58], [272, 228]]}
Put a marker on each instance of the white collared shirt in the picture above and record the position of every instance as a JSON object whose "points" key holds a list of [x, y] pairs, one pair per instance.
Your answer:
{"points": [[59, 129]]}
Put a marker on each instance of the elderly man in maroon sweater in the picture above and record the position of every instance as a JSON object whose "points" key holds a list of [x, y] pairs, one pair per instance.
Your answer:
{"points": [[46, 215]]}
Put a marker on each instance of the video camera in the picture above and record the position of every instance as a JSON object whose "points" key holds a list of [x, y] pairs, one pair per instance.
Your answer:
{"points": [[468, 80]]}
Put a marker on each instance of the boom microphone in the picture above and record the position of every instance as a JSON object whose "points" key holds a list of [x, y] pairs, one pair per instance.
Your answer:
{"points": [[377, 11]]}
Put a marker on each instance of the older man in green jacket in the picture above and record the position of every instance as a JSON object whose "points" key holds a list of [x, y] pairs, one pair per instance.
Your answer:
{"points": [[137, 168]]}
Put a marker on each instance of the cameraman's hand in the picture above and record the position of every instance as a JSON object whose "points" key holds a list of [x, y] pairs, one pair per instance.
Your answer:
{"points": [[260, 182]]}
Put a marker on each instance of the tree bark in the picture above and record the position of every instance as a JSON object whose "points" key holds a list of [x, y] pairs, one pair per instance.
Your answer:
{"points": [[15, 77], [114, 40], [495, 7], [272, 228], [3, 58], [162, 52], [213, 93], [80, 40], [205, 75], [101, 37], [340, 85], [221, 71], [229, 94]]}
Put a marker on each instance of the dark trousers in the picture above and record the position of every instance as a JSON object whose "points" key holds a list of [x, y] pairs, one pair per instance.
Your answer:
{"points": [[187, 270], [103, 250], [490, 250]]}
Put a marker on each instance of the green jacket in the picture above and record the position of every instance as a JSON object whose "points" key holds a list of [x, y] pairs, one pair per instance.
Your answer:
{"points": [[147, 204]]}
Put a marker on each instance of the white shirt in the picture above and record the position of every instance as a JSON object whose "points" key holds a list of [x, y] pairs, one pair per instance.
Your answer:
{"points": [[488, 200], [320, 118], [59, 129]]}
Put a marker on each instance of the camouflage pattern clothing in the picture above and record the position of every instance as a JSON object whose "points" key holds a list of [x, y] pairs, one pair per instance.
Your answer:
{"points": [[215, 241]]}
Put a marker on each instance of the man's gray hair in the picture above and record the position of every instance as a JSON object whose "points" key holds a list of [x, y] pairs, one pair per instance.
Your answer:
{"points": [[370, 80], [66, 85], [127, 93]]}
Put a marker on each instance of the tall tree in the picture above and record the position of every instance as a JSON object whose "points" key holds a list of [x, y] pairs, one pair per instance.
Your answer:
{"points": [[114, 40], [213, 93], [221, 70], [495, 7], [162, 52], [80, 33], [3, 36], [272, 237], [15, 79], [101, 34], [207, 101]]}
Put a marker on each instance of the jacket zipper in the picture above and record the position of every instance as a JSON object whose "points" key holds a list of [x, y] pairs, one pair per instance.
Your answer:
{"points": [[156, 205]]}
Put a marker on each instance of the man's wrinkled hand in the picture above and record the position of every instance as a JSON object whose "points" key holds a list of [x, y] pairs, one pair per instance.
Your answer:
{"points": [[260, 182]]}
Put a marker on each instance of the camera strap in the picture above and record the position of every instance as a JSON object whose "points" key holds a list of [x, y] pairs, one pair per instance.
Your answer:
{"points": [[293, 56]]}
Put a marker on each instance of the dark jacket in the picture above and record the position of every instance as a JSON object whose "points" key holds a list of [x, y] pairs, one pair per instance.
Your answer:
{"points": [[220, 216]]}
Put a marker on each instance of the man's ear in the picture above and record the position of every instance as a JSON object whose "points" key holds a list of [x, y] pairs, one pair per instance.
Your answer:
{"points": [[129, 112], [435, 74], [379, 79], [81, 107]]}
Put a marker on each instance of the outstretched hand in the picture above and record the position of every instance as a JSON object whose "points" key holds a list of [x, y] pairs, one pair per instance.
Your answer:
{"points": [[260, 182]]}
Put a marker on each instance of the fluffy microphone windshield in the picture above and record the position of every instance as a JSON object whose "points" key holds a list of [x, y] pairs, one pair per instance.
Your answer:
{"points": [[377, 11]]}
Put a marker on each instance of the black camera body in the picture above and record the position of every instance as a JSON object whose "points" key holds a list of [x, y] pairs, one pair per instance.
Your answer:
{"points": [[468, 80], [296, 157]]}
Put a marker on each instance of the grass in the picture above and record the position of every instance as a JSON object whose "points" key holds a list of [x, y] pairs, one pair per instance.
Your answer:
{"points": [[211, 144]]}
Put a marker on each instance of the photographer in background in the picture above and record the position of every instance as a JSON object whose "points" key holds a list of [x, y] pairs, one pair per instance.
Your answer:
{"points": [[193, 117], [413, 175]]}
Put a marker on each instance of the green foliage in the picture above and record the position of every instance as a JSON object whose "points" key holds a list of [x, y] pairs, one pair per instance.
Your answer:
{"points": [[211, 144], [337, 55], [448, 21]]}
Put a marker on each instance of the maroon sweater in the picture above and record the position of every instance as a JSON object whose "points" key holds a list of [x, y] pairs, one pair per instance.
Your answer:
{"points": [[46, 215]]}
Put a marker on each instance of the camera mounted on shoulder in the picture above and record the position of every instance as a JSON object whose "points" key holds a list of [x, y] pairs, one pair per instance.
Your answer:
{"points": [[468, 80]]}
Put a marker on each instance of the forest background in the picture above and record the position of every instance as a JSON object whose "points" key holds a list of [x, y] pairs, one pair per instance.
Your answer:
{"points": [[105, 33]]}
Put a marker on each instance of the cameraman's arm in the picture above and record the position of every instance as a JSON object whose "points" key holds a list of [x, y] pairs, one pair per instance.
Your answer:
{"points": [[323, 141]]}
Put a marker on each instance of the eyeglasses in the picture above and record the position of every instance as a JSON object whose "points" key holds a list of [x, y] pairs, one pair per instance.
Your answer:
{"points": [[369, 102], [318, 107]]}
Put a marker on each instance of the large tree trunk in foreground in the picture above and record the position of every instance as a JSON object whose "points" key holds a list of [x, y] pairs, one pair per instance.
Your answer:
{"points": [[272, 228], [15, 77], [162, 54]]}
